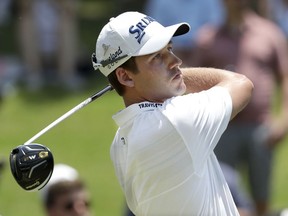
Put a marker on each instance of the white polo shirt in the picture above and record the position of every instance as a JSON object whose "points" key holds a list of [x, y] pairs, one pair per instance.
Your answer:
{"points": [[163, 155]]}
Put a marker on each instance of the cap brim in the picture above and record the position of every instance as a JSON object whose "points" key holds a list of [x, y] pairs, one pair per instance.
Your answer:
{"points": [[160, 39]]}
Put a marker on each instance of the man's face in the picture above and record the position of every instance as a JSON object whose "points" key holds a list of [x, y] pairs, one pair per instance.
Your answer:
{"points": [[159, 76], [75, 203]]}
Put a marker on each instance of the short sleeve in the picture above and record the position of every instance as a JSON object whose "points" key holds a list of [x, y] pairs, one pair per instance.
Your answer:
{"points": [[200, 119]]}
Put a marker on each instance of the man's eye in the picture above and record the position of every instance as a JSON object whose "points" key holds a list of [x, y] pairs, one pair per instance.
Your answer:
{"points": [[157, 56]]}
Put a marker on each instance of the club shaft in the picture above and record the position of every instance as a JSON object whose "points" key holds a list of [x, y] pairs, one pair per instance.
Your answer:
{"points": [[69, 113]]}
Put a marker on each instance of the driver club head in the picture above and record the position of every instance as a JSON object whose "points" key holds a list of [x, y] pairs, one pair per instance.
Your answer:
{"points": [[31, 165]]}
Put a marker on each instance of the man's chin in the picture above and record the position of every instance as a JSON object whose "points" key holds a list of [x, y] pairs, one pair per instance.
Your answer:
{"points": [[181, 89]]}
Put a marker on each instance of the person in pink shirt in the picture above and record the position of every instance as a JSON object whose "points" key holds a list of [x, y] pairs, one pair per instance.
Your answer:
{"points": [[254, 46]]}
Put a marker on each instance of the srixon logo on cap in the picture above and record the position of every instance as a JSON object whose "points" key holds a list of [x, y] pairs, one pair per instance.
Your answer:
{"points": [[138, 29]]}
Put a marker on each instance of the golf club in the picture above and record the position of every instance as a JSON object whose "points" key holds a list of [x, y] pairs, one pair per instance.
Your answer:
{"points": [[31, 163]]}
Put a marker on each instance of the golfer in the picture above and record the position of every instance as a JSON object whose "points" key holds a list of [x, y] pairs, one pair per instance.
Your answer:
{"points": [[163, 149]]}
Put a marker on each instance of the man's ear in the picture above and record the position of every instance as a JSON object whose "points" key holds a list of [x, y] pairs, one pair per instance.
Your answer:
{"points": [[124, 78]]}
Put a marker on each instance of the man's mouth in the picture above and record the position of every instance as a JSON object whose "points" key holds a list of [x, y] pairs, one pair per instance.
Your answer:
{"points": [[177, 76]]}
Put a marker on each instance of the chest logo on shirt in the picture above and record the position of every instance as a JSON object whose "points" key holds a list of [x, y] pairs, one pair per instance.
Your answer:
{"points": [[149, 105]]}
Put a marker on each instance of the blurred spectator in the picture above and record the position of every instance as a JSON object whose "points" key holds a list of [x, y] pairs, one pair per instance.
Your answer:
{"points": [[4, 11], [48, 37], [195, 12], [241, 199], [254, 46], [278, 12], [10, 66], [65, 194], [129, 5]]}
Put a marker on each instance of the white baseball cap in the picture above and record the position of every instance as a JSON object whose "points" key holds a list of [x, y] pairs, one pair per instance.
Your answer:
{"points": [[131, 34], [61, 173]]}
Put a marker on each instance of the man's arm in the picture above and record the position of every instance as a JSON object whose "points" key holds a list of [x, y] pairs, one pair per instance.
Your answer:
{"points": [[239, 86], [278, 122]]}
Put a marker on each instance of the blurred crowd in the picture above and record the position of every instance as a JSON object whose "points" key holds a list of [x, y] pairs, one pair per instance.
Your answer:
{"points": [[244, 36], [66, 194], [47, 42]]}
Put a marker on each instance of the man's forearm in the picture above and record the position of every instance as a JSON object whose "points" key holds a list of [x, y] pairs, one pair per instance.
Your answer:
{"points": [[199, 79], [239, 86]]}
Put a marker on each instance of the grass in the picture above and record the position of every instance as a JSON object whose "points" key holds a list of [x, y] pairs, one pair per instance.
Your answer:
{"points": [[280, 177]]}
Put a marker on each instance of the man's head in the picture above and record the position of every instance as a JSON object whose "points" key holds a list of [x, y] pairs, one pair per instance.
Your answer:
{"points": [[65, 194], [236, 8], [237, 11], [126, 39]]}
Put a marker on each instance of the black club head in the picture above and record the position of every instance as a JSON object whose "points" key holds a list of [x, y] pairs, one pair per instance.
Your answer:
{"points": [[31, 165]]}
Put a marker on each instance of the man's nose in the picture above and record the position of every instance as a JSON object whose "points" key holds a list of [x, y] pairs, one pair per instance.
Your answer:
{"points": [[175, 61]]}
